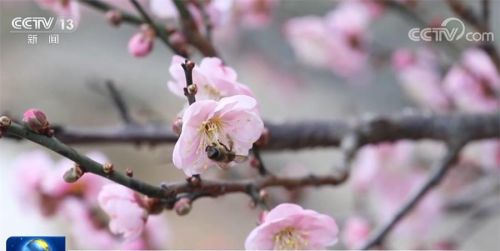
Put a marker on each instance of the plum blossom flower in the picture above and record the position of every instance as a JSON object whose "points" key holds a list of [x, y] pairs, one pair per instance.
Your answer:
{"points": [[233, 122], [213, 78], [356, 232], [127, 216], [419, 75], [62, 8], [473, 82], [337, 42], [290, 227]]}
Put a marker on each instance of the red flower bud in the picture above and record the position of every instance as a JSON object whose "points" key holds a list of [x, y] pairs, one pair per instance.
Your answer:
{"points": [[36, 121]]}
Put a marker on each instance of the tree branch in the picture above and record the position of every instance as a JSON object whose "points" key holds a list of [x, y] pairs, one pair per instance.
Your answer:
{"points": [[300, 135], [439, 172], [192, 32], [135, 20], [120, 104]]}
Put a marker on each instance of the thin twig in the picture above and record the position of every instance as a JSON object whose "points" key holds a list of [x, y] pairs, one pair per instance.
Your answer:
{"points": [[260, 163], [190, 89], [120, 104], [160, 32], [439, 172], [191, 31]]}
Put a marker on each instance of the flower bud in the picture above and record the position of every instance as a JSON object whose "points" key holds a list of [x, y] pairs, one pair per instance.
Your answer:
{"points": [[107, 168], [141, 43], [36, 121], [73, 174], [177, 126], [152, 205], [192, 89], [4, 123], [183, 206], [114, 17], [129, 172]]}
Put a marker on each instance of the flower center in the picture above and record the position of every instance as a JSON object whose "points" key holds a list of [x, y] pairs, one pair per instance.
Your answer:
{"points": [[211, 129], [289, 239]]}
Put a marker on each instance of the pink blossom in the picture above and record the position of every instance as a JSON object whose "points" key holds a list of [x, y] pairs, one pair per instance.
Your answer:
{"points": [[213, 78], [30, 170], [389, 200], [141, 44], [472, 83], [255, 13], [164, 9], [290, 227], [356, 232], [373, 161], [337, 42], [485, 153], [419, 75], [127, 217], [232, 122], [64, 9]]}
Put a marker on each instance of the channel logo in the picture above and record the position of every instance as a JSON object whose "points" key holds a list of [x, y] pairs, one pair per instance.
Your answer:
{"points": [[36, 243]]}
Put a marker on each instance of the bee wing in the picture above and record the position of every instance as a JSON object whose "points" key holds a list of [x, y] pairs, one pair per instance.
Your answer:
{"points": [[240, 158]]}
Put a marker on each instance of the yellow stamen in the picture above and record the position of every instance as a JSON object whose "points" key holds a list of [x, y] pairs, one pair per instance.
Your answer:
{"points": [[289, 239]]}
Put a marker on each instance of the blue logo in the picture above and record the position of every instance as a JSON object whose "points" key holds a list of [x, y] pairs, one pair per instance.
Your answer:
{"points": [[36, 243]]}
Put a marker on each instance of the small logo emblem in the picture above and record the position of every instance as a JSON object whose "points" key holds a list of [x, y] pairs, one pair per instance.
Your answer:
{"points": [[36, 243]]}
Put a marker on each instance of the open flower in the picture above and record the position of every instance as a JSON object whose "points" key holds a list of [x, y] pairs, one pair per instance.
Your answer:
{"points": [[290, 227], [419, 75], [473, 82], [213, 79], [232, 122], [337, 42], [127, 216]]}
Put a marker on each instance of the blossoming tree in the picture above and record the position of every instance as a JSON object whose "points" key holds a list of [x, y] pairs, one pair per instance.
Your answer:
{"points": [[397, 193]]}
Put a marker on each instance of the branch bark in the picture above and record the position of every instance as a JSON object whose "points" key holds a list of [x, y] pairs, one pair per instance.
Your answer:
{"points": [[300, 135]]}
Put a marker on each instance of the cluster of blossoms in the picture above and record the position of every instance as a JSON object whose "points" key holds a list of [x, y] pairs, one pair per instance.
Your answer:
{"points": [[90, 203], [471, 85], [339, 41], [225, 115]]}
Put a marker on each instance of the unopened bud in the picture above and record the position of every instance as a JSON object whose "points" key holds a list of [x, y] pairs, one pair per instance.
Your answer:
{"points": [[5, 121], [183, 206], [73, 174], [264, 138], [114, 17], [107, 168], [189, 64], [177, 126], [194, 180], [129, 172], [254, 162], [192, 89], [36, 121], [141, 43], [263, 194]]}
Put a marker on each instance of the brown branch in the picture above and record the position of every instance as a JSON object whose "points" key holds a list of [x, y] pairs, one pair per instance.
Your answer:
{"points": [[190, 89], [135, 20], [300, 135], [168, 192], [439, 172], [120, 104], [192, 32]]}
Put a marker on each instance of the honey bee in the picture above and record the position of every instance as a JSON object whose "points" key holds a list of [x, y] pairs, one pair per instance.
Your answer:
{"points": [[223, 154]]}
